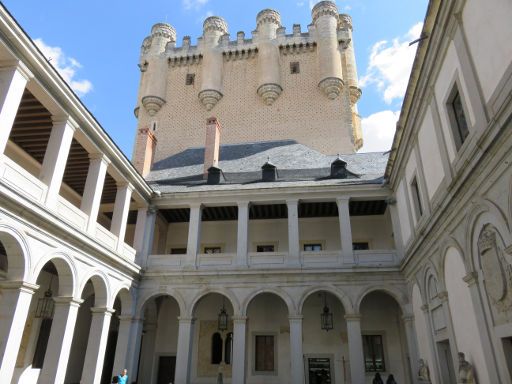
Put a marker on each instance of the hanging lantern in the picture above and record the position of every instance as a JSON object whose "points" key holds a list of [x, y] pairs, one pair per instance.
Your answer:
{"points": [[326, 317], [223, 319], [45, 304]]}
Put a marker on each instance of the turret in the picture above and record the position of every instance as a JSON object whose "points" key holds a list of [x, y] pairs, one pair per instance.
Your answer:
{"points": [[211, 87], [269, 79], [153, 64], [325, 19]]}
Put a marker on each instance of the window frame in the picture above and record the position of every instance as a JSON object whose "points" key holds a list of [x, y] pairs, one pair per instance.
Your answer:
{"points": [[417, 202], [204, 247], [265, 243], [276, 349], [361, 242], [455, 128], [294, 67], [190, 79], [383, 348]]}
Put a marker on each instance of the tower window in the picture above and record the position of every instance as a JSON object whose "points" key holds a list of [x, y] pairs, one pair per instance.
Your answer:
{"points": [[418, 208], [294, 68], [189, 80], [458, 118]]}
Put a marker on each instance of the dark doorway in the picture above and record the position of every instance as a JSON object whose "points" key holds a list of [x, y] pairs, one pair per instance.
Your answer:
{"points": [[166, 368], [446, 362]]}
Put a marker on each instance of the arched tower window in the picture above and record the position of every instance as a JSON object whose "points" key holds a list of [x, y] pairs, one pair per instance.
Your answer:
{"points": [[228, 348], [216, 348]]}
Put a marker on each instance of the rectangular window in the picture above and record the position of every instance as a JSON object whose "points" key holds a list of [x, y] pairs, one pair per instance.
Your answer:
{"points": [[360, 246], [312, 247], [265, 248], [373, 353], [458, 119], [178, 251], [294, 68], [418, 208], [212, 250], [190, 79], [264, 353], [42, 343]]}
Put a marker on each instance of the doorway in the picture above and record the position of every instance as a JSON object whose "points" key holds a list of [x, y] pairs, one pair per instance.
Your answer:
{"points": [[166, 369], [319, 369], [446, 362]]}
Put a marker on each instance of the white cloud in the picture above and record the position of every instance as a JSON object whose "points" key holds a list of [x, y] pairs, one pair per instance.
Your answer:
{"points": [[194, 4], [67, 67], [390, 65], [378, 131]]}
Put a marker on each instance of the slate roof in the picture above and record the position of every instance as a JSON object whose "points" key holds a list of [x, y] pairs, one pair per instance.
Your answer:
{"points": [[297, 164]]}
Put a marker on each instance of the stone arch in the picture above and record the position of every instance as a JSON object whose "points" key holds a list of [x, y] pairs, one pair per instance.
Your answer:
{"points": [[144, 300], [66, 271], [399, 296], [125, 295], [221, 291], [340, 295], [430, 276], [101, 288], [447, 244], [276, 291], [17, 252]]}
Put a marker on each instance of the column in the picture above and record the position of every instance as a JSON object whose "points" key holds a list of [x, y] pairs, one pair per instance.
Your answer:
{"points": [[397, 231], [412, 345], [96, 345], [294, 258], [128, 346], [14, 307], [194, 235], [355, 348], [242, 234], [59, 343], [120, 214], [296, 355], [239, 338], [144, 232], [56, 156], [347, 252], [13, 79], [184, 350], [94, 188]]}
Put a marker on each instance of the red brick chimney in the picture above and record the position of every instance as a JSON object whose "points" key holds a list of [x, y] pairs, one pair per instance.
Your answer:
{"points": [[144, 151], [211, 147]]}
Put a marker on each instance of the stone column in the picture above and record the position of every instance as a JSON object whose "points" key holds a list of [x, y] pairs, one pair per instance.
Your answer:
{"points": [[14, 307], [184, 350], [128, 345], [355, 348], [397, 231], [13, 79], [347, 251], [239, 338], [194, 235], [120, 214], [294, 258], [296, 355], [144, 232], [412, 345], [55, 158], [242, 234], [96, 345], [94, 188], [59, 342]]}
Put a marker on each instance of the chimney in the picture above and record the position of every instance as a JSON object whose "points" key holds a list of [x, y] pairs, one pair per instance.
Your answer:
{"points": [[211, 147], [144, 152]]}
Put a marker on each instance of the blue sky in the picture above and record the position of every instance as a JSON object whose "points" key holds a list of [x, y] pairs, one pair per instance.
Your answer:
{"points": [[96, 44]]}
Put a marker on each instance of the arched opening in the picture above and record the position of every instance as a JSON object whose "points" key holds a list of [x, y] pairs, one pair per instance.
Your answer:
{"points": [[384, 339], [268, 339], [213, 315], [325, 349], [12, 258], [157, 361]]}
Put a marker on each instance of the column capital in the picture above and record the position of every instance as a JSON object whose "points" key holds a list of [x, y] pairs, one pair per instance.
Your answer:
{"points": [[424, 308], [239, 319], [151, 209], [129, 318], [103, 310], [195, 205], [342, 199], [296, 318], [353, 317], [124, 184], [443, 296], [471, 278], [99, 157], [186, 320], [243, 204], [293, 201], [407, 318], [21, 285], [65, 120], [17, 65], [67, 300]]}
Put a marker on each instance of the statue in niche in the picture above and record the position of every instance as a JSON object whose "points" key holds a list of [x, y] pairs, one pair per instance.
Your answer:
{"points": [[466, 371], [423, 372]]}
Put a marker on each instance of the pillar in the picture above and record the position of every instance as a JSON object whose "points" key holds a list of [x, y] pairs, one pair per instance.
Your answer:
{"points": [[120, 214], [13, 79], [355, 348], [397, 231], [296, 355], [59, 342], [55, 158], [412, 345], [94, 188], [14, 307], [96, 345], [239, 339], [194, 235], [127, 347], [144, 232], [347, 251], [184, 350], [293, 233], [242, 234]]}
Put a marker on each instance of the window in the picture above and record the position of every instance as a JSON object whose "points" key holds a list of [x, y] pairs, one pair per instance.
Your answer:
{"points": [[360, 246], [216, 357], [212, 250], [416, 197], [458, 118], [154, 126], [373, 353], [264, 353], [189, 80], [312, 247], [228, 348], [294, 67], [42, 343], [178, 251], [265, 248]]}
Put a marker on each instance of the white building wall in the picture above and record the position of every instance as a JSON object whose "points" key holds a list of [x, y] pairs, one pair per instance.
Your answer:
{"points": [[268, 232], [376, 230], [324, 230]]}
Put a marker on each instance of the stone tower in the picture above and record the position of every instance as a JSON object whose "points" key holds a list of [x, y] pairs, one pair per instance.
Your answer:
{"points": [[272, 86]]}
